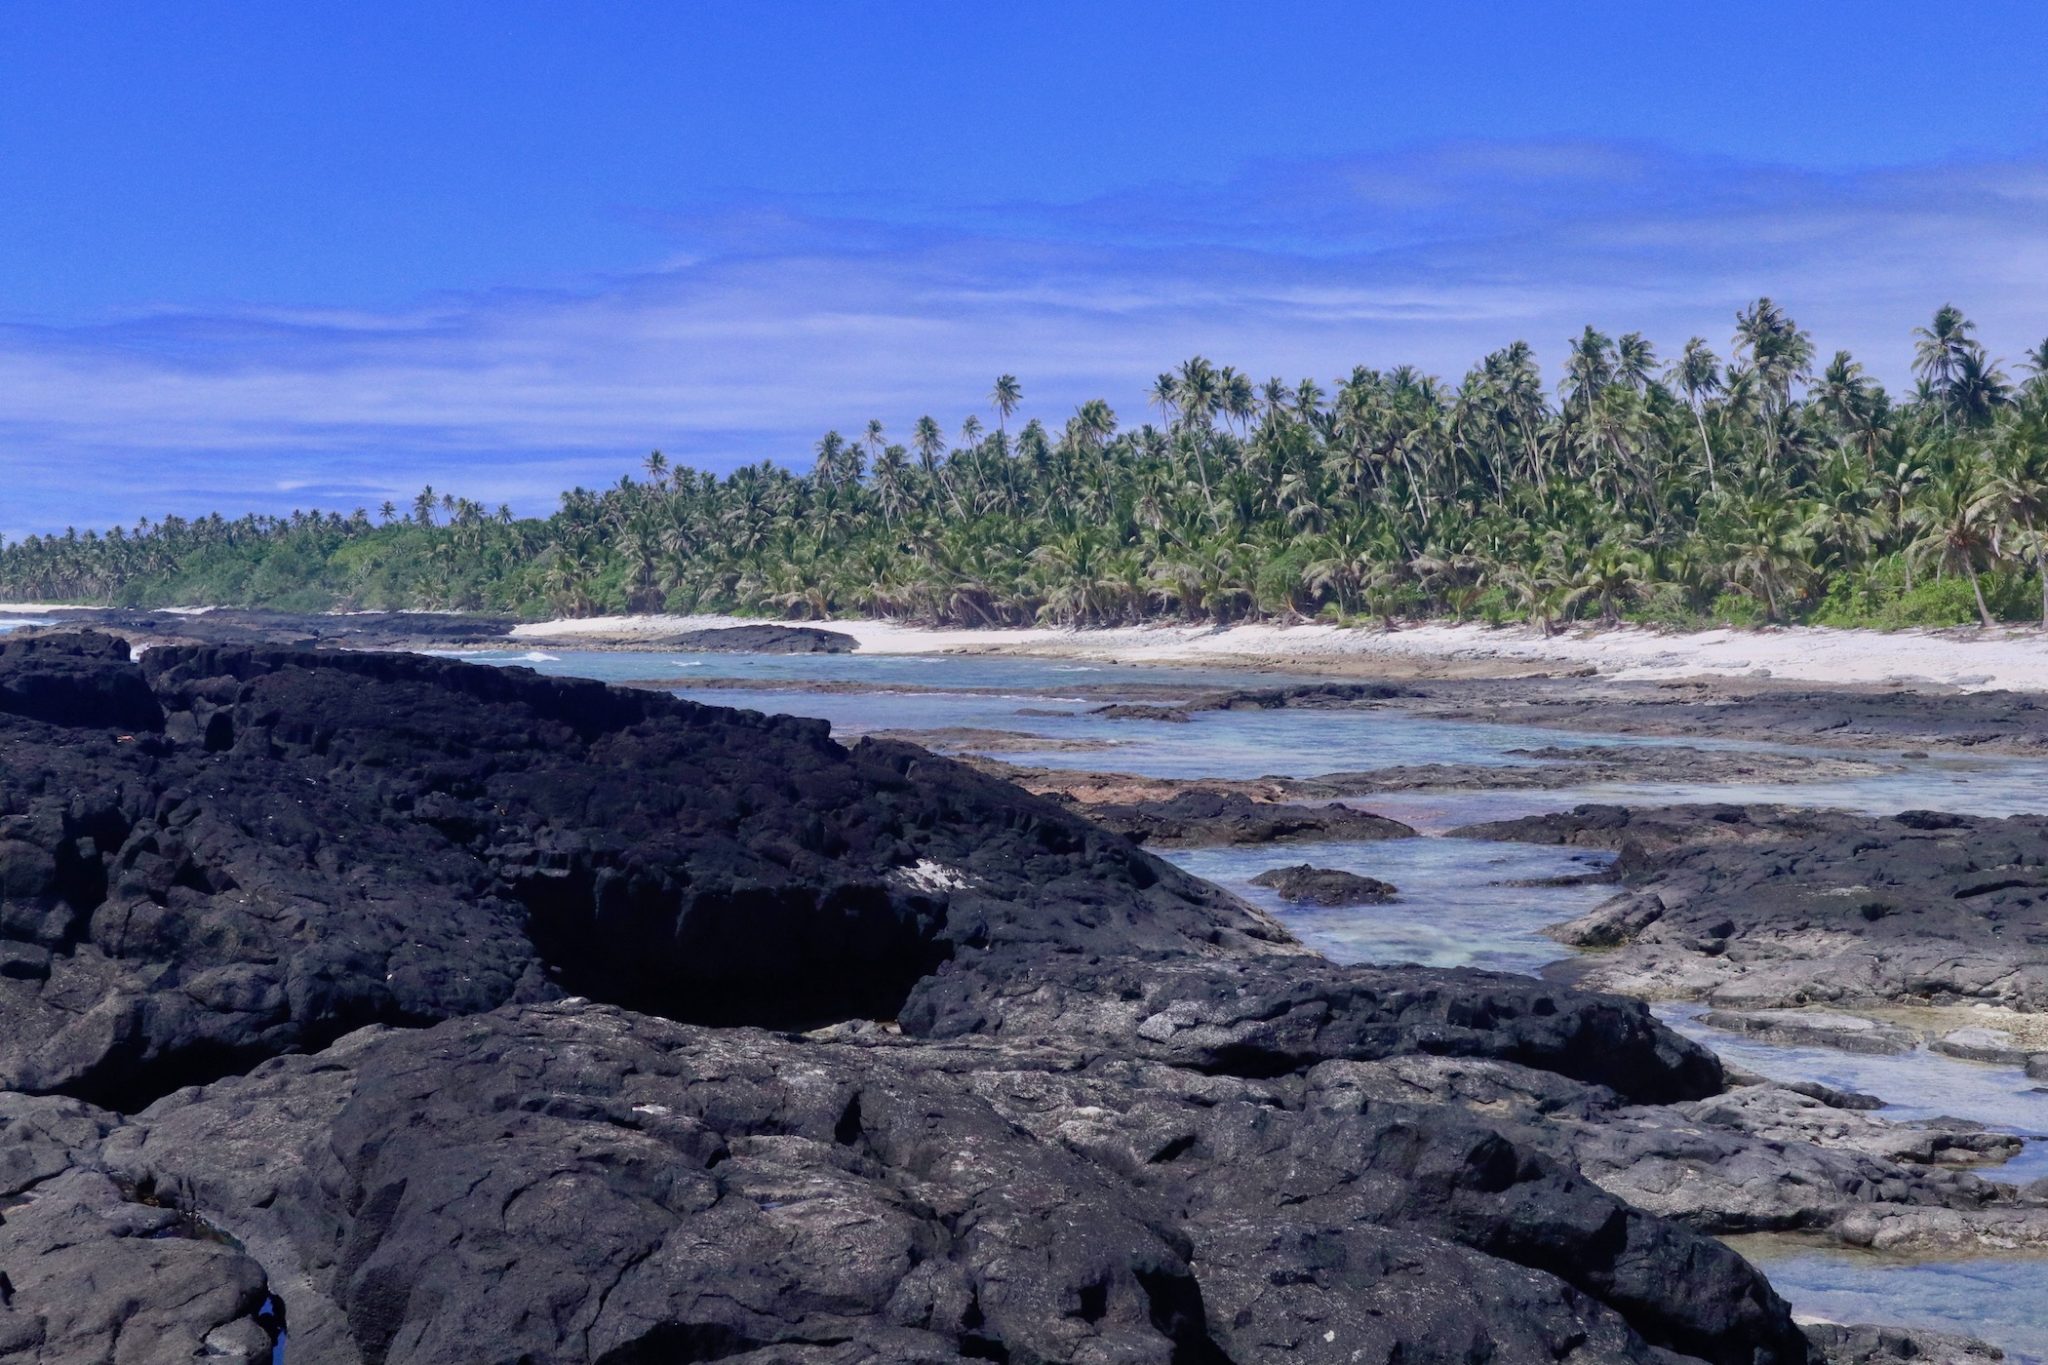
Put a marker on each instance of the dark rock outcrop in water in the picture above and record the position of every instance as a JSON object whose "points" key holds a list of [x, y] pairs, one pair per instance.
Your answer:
{"points": [[1324, 886], [761, 639], [252, 627], [1116, 1115], [1195, 819], [1759, 907]]}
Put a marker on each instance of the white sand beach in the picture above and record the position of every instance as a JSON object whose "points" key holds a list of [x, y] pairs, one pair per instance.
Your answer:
{"points": [[1966, 659]]}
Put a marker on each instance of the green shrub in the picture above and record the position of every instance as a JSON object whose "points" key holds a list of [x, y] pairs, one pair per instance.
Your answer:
{"points": [[1735, 609], [1669, 606]]}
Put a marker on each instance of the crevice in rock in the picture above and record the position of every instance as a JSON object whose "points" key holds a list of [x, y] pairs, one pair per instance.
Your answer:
{"points": [[684, 1343], [780, 957], [271, 1318], [1174, 1303], [847, 1131], [1251, 1063]]}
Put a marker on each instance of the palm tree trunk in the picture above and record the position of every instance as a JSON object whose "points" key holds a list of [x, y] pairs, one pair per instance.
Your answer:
{"points": [[1706, 445], [1977, 588], [2040, 565]]}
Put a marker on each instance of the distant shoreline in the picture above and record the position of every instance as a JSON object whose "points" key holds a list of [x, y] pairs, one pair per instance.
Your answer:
{"points": [[2013, 658]]}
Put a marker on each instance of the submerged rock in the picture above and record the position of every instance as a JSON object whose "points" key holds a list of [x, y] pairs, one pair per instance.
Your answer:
{"points": [[1324, 886], [1824, 1028], [1979, 1043]]}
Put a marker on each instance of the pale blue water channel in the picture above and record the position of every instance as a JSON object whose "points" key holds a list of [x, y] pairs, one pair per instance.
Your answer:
{"points": [[1246, 744]]}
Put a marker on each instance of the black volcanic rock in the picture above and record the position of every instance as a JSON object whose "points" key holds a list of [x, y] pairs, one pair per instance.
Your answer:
{"points": [[321, 840], [760, 639], [574, 1182], [1260, 1019], [262, 627], [1199, 818], [1333, 696], [1066, 1103], [1326, 886], [1654, 830], [1760, 908], [70, 680]]}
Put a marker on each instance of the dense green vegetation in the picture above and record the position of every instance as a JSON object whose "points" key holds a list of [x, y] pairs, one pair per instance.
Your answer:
{"points": [[1766, 488]]}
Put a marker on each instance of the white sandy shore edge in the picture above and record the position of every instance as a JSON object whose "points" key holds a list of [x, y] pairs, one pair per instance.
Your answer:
{"points": [[2015, 658], [1965, 659]]}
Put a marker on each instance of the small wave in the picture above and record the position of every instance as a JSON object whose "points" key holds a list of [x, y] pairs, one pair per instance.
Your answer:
{"points": [[1076, 668], [687, 663], [494, 656]]}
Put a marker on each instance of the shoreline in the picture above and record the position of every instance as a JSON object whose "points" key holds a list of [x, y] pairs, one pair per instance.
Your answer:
{"points": [[1962, 659], [1951, 659]]}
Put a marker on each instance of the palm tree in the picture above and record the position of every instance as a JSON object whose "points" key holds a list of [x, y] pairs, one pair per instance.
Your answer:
{"points": [[1777, 353], [1767, 551], [1962, 535], [2036, 362], [1938, 352], [1004, 398], [1978, 389], [1697, 373], [2018, 487], [1588, 368]]}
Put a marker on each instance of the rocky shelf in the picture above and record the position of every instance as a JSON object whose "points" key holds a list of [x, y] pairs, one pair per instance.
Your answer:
{"points": [[450, 1013]]}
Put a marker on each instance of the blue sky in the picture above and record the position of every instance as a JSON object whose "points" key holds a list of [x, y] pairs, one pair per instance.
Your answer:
{"points": [[257, 256]]}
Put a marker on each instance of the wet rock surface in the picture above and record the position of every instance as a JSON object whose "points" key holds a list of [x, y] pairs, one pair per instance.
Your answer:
{"points": [[1325, 886], [293, 1022], [760, 639], [1883, 717], [1546, 769], [1196, 819], [1762, 909], [1821, 1028], [1654, 829], [1835, 1344]]}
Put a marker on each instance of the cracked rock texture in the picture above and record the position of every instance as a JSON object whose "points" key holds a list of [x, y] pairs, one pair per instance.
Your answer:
{"points": [[452, 1014]]}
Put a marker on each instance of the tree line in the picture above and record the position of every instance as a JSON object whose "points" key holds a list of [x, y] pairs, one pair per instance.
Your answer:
{"points": [[1768, 485]]}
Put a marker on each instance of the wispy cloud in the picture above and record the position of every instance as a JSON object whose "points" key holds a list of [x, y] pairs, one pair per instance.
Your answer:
{"points": [[771, 321]]}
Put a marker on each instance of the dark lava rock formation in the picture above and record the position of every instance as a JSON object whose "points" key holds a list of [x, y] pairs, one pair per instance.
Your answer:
{"points": [[1885, 717], [236, 626], [1198, 818], [1324, 886], [297, 844], [1332, 696], [1760, 907], [448, 1014], [761, 639]]}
